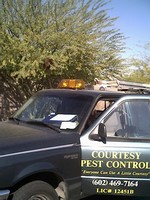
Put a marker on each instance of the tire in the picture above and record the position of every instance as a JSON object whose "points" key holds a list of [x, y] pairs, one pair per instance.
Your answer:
{"points": [[36, 190]]}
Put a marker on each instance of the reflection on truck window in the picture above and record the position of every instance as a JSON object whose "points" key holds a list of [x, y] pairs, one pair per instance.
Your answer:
{"points": [[48, 108], [100, 107], [130, 119]]}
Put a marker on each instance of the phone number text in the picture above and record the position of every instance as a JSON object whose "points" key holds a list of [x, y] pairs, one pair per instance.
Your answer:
{"points": [[115, 183]]}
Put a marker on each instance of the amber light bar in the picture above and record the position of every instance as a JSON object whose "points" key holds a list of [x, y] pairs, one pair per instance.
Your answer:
{"points": [[72, 84]]}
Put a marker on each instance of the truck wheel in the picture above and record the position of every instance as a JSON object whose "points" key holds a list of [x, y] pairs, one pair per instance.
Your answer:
{"points": [[36, 190]]}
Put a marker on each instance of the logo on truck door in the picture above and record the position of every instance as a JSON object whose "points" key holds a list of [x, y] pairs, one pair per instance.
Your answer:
{"points": [[114, 172], [114, 163]]}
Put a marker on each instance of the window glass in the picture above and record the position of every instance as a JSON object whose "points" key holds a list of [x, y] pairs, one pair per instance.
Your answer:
{"points": [[57, 110], [140, 112], [99, 108], [114, 122], [130, 119], [102, 105], [41, 107]]}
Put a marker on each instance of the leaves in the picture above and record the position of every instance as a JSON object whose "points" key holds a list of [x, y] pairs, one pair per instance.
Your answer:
{"points": [[75, 34], [140, 70]]}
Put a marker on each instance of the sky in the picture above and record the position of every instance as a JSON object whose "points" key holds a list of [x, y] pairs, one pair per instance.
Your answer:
{"points": [[134, 23]]}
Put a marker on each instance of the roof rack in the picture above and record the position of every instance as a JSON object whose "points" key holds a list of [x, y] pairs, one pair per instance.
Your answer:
{"points": [[124, 86], [133, 87], [136, 90]]}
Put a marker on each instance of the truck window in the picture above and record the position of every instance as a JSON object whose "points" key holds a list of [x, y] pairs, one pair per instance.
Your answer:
{"points": [[57, 110], [140, 112], [99, 108], [130, 119]]}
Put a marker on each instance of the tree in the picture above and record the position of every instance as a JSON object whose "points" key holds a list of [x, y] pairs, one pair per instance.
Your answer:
{"points": [[140, 71], [43, 41], [76, 35], [140, 68]]}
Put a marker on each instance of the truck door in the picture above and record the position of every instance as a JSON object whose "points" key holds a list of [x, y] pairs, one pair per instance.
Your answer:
{"points": [[122, 165]]}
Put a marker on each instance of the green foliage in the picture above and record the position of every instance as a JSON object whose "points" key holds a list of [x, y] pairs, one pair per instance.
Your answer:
{"points": [[76, 35], [140, 71]]}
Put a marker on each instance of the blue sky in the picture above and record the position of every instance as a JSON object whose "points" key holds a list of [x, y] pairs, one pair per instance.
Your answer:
{"points": [[134, 23]]}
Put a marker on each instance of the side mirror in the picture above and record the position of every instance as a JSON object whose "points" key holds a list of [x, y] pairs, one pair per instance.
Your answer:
{"points": [[102, 133]]}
